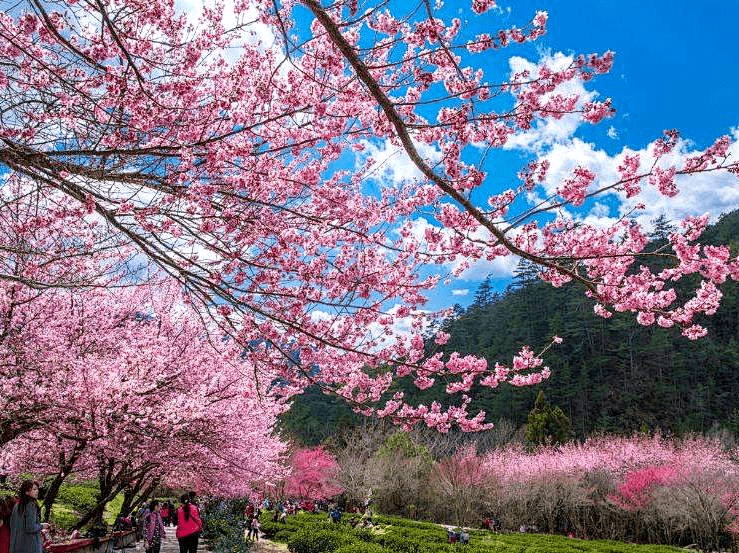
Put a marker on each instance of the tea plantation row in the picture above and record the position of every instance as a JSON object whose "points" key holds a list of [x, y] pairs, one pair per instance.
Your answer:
{"points": [[309, 533]]}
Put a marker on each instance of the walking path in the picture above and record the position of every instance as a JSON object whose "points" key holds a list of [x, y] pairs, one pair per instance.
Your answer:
{"points": [[170, 545], [266, 546]]}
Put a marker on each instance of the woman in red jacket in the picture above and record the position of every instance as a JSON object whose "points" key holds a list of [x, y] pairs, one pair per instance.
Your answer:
{"points": [[189, 525], [6, 507], [165, 513]]}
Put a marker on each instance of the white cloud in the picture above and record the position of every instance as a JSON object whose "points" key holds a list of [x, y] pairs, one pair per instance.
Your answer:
{"points": [[392, 164], [555, 140], [713, 192], [564, 157], [500, 267], [244, 27], [401, 328], [545, 133], [460, 291]]}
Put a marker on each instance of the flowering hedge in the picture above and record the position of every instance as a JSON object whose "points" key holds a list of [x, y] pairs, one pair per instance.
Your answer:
{"points": [[645, 489]]}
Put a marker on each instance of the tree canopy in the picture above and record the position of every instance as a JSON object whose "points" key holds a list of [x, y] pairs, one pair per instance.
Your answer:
{"points": [[240, 170]]}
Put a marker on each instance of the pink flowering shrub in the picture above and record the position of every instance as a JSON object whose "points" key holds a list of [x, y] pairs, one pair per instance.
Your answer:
{"points": [[636, 492], [642, 489]]}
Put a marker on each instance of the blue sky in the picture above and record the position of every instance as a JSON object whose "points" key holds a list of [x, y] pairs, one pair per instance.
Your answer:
{"points": [[675, 63], [675, 67]]}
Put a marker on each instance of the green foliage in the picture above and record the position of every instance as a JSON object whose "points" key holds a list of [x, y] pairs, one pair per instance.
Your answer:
{"points": [[270, 529], [313, 534], [405, 522], [223, 529], [362, 547], [364, 534], [400, 443], [283, 535], [282, 532], [315, 539], [112, 509], [233, 542], [547, 424], [214, 527], [62, 517], [75, 499], [79, 497], [315, 417], [401, 544]]}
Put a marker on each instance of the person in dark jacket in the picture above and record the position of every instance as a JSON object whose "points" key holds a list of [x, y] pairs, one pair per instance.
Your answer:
{"points": [[25, 521]]}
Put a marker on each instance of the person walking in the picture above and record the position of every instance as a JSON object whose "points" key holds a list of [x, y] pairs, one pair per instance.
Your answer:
{"points": [[189, 525], [154, 528], [164, 512], [248, 530], [6, 507], [25, 521], [255, 526]]}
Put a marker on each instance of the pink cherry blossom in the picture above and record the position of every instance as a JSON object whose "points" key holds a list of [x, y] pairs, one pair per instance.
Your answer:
{"points": [[248, 174]]}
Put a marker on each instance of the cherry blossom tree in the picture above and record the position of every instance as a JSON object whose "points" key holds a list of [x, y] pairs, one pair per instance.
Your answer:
{"points": [[228, 172], [147, 398], [461, 485], [113, 379], [313, 475]]}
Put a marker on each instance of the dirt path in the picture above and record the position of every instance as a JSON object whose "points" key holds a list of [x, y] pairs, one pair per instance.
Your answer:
{"points": [[266, 546], [170, 545]]}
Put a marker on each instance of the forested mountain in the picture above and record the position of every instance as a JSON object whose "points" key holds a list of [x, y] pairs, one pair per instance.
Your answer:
{"points": [[609, 375]]}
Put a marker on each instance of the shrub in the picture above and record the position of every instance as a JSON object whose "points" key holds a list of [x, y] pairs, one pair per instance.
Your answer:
{"points": [[80, 497], [224, 529], [404, 522], [362, 547], [213, 527], [270, 529], [283, 535], [364, 534], [317, 540], [63, 518], [402, 544]]}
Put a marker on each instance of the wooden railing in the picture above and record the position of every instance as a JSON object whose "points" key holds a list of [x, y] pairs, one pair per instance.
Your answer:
{"points": [[105, 544]]}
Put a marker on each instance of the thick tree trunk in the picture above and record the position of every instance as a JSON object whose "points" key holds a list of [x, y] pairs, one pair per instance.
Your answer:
{"points": [[65, 468], [136, 493], [109, 482]]}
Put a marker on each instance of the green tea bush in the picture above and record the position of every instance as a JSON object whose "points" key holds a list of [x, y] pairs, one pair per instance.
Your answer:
{"points": [[270, 529], [283, 535], [232, 542], [214, 527], [317, 540], [404, 522], [400, 544], [63, 518], [362, 547], [223, 528], [364, 534]]}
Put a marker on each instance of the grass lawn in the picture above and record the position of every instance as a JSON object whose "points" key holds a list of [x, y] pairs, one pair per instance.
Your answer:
{"points": [[76, 498]]}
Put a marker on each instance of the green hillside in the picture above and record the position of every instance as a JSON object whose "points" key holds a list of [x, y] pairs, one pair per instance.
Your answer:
{"points": [[609, 375]]}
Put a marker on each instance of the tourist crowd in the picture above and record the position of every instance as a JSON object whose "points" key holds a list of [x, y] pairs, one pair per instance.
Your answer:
{"points": [[22, 530]]}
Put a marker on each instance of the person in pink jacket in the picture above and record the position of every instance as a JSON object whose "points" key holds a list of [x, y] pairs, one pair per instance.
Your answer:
{"points": [[154, 528], [189, 525]]}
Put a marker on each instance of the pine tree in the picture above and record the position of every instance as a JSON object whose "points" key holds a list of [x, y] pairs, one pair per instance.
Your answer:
{"points": [[547, 424]]}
